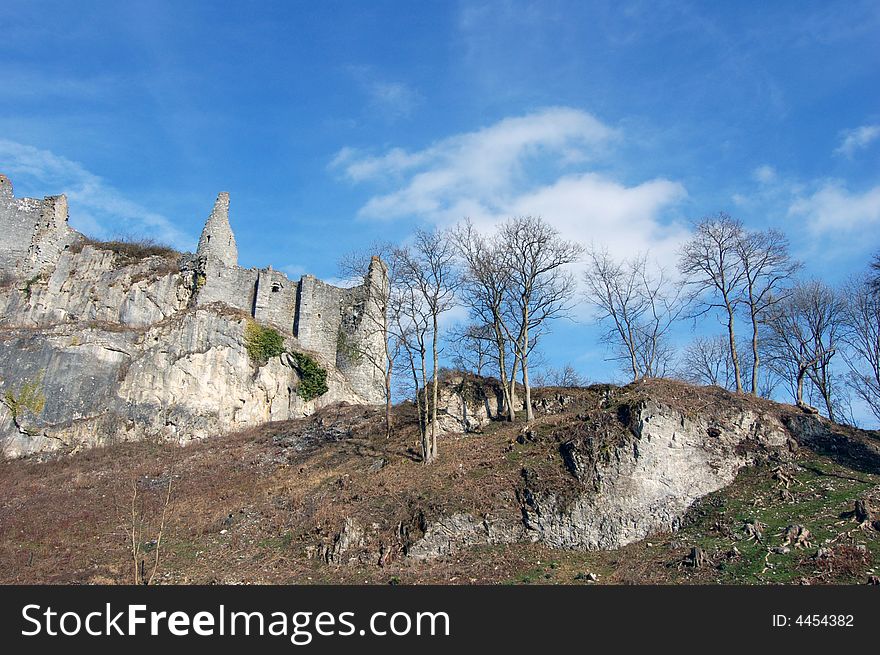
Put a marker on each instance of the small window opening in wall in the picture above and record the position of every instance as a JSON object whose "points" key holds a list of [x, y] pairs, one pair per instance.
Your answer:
{"points": [[319, 315], [208, 240], [276, 288]]}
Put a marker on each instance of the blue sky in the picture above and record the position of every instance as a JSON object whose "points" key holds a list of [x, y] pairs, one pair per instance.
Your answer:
{"points": [[333, 124]]}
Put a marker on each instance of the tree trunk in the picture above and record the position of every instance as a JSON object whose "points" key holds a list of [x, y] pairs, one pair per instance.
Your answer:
{"points": [[802, 371], [502, 371], [530, 414], [427, 451], [733, 354], [630, 345], [435, 393], [756, 359], [388, 372], [511, 410], [829, 405]]}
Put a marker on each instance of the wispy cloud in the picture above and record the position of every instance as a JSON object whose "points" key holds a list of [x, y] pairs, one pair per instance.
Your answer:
{"points": [[834, 210], [533, 164], [857, 139], [27, 83], [95, 206], [764, 174], [391, 99]]}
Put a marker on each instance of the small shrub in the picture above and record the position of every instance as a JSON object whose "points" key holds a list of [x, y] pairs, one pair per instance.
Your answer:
{"points": [[313, 378], [28, 286], [262, 343], [30, 398]]}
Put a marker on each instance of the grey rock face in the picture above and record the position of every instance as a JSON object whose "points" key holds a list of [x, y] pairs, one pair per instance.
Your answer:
{"points": [[467, 404], [187, 378], [350, 538], [648, 482], [452, 533]]}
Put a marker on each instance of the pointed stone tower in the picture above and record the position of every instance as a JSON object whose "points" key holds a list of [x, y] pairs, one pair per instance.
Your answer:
{"points": [[217, 243]]}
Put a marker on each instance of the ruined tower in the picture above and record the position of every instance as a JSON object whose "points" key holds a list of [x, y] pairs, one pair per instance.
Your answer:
{"points": [[5, 188], [33, 232], [217, 241]]}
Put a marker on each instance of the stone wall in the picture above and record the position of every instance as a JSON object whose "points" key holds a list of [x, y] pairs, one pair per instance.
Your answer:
{"points": [[232, 285], [275, 301], [319, 315]]}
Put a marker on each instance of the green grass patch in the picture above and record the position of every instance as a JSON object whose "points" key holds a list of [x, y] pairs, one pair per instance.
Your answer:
{"points": [[280, 542]]}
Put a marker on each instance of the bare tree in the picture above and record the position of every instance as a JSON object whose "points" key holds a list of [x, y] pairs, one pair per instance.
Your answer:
{"points": [[874, 276], [485, 281], [138, 524], [805, 333], [706, 360], [639, 309], [539, 287], [472, 348], [766, 267], [566, 376], [428, 269], [712, 268], [412, 325], [862, 335]]}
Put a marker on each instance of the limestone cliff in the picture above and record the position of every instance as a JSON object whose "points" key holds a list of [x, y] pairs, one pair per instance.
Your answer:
{"points": [[117, 342]]}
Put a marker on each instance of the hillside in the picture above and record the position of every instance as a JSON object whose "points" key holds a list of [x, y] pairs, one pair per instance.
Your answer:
{"points": [[608, 485]]}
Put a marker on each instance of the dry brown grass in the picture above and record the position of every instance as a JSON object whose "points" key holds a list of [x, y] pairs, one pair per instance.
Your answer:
{"points": [[163, 259], [129, 249]]}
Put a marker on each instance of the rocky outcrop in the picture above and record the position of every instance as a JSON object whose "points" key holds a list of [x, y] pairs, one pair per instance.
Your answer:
{"points": [[453, 533], [646, 482], [630, 470], [849, 446], [467, 403]]}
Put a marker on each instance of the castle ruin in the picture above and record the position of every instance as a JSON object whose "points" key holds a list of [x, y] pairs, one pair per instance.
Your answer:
{"points": [[156, 343]]}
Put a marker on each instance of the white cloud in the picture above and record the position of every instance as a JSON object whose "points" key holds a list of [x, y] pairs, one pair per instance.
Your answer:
{"points": [[857, 139], [764, 174], [834, 210], [590, 208], [522, 165], [95, 207]]}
